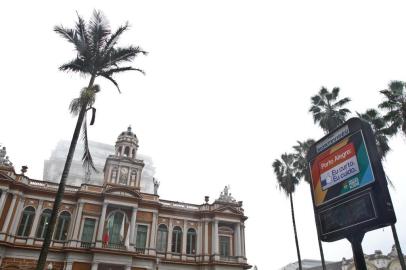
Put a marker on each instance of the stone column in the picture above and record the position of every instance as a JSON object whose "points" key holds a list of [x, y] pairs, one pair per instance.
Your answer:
{"points": [[68, 266], [16, 218], [199, 239], [206, 240], [101, 227], [78, 222], [8, 217], [95, 266], [34, 227], [243, 240], [215, 234], [152, 242], [237, 239], [184, 239], [169, 247], [132, 226], [4, 194]]}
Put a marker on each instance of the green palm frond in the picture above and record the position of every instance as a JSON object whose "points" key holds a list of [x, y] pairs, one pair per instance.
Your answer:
{"points": [[395, 106]]}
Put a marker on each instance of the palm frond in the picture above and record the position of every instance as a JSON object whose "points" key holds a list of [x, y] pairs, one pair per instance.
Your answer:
{"points": [[111, 80], [76, 65]]}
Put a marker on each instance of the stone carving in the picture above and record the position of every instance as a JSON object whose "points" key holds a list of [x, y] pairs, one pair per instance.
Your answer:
{"points": [[225, 196], [156, 185], [4, 160]]}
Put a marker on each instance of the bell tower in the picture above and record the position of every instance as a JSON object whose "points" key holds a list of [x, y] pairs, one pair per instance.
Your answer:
{"points": [[123, 168]]}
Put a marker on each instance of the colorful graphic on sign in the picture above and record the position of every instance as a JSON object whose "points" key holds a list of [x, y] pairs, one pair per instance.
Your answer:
{"points": [[339, 166], [342, 168]]}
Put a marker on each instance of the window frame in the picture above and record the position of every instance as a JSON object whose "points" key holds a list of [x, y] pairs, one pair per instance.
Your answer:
{"points": [[176, 247], [61, 234], [190, 238], [82, 227], [44, 228], [165, 243], [147, 235], [25, 232]]}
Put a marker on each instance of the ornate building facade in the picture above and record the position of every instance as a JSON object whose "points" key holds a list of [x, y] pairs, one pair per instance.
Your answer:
{"points": [[117, 225]]}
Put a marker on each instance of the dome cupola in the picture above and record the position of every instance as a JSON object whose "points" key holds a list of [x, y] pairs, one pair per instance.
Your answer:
{"points": [[127, 144]]}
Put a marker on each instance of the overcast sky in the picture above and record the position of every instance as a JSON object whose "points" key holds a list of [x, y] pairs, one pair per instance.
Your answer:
{"points": [[227, 90]]}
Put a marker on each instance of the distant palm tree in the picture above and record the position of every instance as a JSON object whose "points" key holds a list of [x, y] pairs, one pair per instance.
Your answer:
{"points": [[395, 104], [96, 56], [327, 111], [287, 181]]}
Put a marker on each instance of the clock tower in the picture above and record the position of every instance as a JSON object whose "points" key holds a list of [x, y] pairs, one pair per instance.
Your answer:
{"points": [[123, 168]]}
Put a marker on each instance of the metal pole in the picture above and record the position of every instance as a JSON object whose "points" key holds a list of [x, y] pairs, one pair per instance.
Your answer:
{"points": [[398, 249], [357, 252]]}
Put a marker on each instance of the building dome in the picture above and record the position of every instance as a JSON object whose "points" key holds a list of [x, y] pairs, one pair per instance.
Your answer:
{"points": [[127, 144]]}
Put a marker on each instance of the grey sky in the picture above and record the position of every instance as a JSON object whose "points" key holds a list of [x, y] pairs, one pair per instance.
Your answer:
{"points": [[227, 91]]}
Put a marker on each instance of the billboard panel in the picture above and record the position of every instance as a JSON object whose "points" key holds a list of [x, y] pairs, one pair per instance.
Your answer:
{"points": [[341, 169]]}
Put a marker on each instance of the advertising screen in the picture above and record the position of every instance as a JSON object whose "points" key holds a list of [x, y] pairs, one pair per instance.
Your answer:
{"points": [[341, 169]]}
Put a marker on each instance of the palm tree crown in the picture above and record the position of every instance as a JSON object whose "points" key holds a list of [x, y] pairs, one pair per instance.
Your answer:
{"points": [[285, 173], [300, 162], [380, 130], [95, 44], [327, 111], [395, 104]]}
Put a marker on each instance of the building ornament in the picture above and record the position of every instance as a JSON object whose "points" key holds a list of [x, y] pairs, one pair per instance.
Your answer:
{"points": [[4, 159], [225, 196]]}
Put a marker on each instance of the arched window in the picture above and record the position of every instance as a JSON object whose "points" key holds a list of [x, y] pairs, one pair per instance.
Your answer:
{"points": [[133, 153], [162, 238], [43, 224], [26, 221], [115, 228], [127, 151], [177, 240], [61, 232], [191, 242], [119, 151]]}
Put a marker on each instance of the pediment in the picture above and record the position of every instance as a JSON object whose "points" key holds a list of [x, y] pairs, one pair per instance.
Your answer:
{"points": [[229, 210], [123, 192]]}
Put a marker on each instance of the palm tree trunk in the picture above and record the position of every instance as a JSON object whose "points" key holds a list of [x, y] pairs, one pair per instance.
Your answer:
{"points": [[61, 189], [294, 229]]}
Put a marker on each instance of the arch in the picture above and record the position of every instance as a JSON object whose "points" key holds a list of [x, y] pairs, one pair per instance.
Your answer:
{"points": [[116, 227], [120, 149], [177, 239], [127, 151], [133, 153], [27, 219], [43, 224], [62, 227], [191, 241], [162, 238]]}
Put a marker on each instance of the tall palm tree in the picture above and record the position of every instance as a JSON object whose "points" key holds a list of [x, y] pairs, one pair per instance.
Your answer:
{"points": [[97, 55], [302, 171], [327, 111], [381, 131], [287, 181], [395, 104]]}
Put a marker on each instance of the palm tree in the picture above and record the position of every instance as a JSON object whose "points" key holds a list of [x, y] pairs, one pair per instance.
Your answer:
{"points": [[96, 56], [301, 169], [395, 104], [327, 111], [380, 130], [287, 181]]}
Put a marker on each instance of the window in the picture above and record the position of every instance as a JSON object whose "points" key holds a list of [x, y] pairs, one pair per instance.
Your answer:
{"points": [[114, 173], [176, 239], [115, 227], [26, 221], [88, 230], [127, 151], [43, 224], [224, 243], [191, 242], [133, 153], [162, 238], [141, 240], [61, 232]]}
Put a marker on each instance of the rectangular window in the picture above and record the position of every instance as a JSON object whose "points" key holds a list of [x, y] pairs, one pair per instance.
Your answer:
{"points": [[224, 243], [141, 240], [88, 230]]}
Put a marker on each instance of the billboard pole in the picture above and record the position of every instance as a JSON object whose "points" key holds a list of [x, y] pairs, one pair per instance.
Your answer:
{"points": [[398, 249], [358, 254]]}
